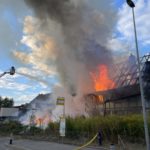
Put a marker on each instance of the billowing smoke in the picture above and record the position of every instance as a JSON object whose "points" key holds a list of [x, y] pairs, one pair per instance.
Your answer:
{"points": [[82, 32]]}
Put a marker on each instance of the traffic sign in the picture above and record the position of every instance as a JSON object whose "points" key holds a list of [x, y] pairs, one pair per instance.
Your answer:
{"points": [[60, 101]]}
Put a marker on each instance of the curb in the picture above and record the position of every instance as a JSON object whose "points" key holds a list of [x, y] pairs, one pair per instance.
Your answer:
{"points": [[99, 148], [15, 147]]}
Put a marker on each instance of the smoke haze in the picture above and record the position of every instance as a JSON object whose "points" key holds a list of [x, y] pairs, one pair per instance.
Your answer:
{"points": [[81, 34]]}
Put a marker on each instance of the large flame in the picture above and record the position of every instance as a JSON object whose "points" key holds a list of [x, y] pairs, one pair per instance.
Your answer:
{"points": [[101, 79]]}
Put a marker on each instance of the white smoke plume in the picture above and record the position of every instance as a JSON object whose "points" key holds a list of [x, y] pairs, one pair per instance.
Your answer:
{"points": [[39, 111], [74, 105]]}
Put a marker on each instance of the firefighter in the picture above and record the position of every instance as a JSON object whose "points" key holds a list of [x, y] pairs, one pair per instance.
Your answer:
{"points": [[100, 137]]}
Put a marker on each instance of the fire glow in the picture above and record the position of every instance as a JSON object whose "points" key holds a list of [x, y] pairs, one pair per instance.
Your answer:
{"points": [[42, 121], [101, 79]]}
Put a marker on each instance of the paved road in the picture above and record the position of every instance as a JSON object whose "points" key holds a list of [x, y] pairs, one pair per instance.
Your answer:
{"points": [[3, 142], [35, 145]]}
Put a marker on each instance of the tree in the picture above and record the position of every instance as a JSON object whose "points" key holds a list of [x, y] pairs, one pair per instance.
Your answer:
{"points": [[0, 101], [6, 102]]}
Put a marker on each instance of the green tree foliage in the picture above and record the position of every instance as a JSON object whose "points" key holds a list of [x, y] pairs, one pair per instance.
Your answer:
{"points": [[6, 102]]}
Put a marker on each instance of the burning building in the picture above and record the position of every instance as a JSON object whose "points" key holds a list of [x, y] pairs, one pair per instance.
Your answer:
{"points": [[38, 112], [117, 91], [69, 40], [43, 109], [121, 93]]}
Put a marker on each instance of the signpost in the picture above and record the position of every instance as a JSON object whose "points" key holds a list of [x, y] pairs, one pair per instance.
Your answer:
{"points": [[62, 128]]}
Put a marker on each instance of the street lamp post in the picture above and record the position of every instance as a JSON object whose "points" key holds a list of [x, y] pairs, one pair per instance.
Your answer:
{"points": [[132, 5]]}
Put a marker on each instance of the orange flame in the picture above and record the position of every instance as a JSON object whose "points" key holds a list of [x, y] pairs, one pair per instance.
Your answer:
{"points": [[101, 98], [40, 121], [101, 79]]}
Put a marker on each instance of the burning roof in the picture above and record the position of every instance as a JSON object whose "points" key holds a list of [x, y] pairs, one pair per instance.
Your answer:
{"points": [[125, 80]]}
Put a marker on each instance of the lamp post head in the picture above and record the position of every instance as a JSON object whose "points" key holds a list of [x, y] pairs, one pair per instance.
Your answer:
{"points": [[130, 3]]}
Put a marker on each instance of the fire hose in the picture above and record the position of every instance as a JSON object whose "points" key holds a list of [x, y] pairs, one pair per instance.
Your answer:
{"points": [[88, 143]]}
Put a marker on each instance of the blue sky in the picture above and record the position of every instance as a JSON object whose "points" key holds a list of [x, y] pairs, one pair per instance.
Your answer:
{"points": [[14, 37]]}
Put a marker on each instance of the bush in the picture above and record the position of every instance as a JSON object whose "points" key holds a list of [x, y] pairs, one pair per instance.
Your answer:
{"points": [[35, 130], [52, 128], [129, 127], [11, 127]]}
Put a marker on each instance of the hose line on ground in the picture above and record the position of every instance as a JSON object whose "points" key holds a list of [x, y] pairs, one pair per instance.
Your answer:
{"points": [[88, 143]]}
